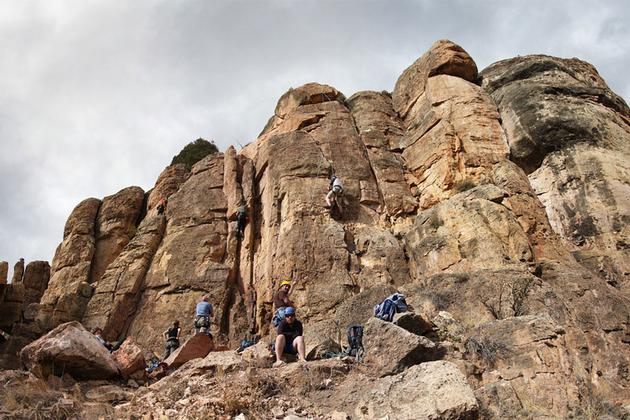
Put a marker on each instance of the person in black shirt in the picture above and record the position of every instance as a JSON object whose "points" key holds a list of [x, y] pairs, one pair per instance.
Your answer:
{"points": [[172, 339], [290, 337]]}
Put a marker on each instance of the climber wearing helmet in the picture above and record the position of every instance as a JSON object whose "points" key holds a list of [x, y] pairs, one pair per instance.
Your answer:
{"points": [[281, 301], [290, 338]]}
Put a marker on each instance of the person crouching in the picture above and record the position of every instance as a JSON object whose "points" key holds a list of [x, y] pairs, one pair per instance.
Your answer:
{"points": [[290, 338]]}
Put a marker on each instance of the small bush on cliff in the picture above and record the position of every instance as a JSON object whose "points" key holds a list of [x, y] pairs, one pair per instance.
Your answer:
{"points": [[194, 152]]}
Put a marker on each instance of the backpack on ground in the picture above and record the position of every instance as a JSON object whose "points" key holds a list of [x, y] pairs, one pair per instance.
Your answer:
{"points": [[390, 306]]}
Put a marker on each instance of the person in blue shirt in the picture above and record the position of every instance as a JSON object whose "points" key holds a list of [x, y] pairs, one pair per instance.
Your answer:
{"points": [[203, 313]]}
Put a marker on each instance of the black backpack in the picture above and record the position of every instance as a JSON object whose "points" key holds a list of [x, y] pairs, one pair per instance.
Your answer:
{"points": [[355, 340]]}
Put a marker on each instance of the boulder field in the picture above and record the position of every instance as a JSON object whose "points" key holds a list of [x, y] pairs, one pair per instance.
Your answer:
{"points": [[497, 201]]}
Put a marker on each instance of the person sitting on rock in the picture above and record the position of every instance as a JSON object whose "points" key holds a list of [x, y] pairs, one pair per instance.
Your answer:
{"points": [[203, 312], [172, 339], [290, 338], [281, 301], [335, 192], [98, 333]]}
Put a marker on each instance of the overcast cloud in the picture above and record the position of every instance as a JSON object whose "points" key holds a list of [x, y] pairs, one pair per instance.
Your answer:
{"points": [[99, 95]]}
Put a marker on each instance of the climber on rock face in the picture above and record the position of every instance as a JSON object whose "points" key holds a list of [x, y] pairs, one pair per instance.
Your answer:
{"points": [[281, 301], [290, 338], [161, 206], [203, 312], [241, 219], [172, 339], [335, 192]]}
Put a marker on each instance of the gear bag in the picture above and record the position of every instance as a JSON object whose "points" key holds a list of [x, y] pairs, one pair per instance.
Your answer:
{"points": [[278, 316], [355, 339], [390, 306]]}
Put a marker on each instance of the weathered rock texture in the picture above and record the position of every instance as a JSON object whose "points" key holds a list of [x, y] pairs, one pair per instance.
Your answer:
{"points": [[69, 348], [434, 390], [571, 134], [500, 197]]}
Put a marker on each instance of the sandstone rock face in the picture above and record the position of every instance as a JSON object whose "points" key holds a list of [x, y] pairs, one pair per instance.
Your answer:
{"points": [[4, 271], [191, 259], [36, 277], [117, 293], [571, 133], [433, 390], [115, 226], [69, 290], [529, 254], [167, 183], [381, 131], [18, 271], [453, 135], [69, 348], [391, 349], [316, 133]]}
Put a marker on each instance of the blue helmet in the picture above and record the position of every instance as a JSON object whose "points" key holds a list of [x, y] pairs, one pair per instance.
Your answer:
{"points": [[289, 311]]}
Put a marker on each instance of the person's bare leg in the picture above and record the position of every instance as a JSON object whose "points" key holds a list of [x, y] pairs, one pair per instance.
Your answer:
{"points": [[280, 342], [298, 343]]}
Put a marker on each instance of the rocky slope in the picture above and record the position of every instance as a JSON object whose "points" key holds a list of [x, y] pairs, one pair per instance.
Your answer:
{"points": [[498, 202]]}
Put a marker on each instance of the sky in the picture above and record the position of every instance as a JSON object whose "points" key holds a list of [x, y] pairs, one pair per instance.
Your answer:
{"points": [[96, 96]]}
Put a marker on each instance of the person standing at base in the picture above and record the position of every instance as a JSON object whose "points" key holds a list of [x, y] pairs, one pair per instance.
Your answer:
{"points": [[172, 339], [290, 338], [203, 313]]}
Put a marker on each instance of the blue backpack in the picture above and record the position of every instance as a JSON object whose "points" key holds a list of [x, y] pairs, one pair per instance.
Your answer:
{"points": [[390, 306], [278, 317]]}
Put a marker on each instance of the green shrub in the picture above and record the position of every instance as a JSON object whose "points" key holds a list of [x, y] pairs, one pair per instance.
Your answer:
{"points": [[194, 152]]}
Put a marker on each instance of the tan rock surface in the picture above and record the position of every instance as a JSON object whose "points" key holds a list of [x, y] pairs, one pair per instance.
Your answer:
{"points": [[433, 390], [117, 293], [167, 183], [390, 349], [571, 133], [36, 277], [115, 225]]}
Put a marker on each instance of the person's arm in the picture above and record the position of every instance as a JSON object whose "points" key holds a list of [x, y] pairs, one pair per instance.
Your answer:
{"points": [[165, 334], [178, 330]]}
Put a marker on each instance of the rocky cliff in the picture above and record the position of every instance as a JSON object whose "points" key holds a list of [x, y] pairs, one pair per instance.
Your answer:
{"points": [[498, 201]]}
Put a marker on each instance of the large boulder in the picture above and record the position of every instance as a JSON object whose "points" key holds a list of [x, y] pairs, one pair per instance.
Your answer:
{"points": [[389, 349], [129, 357], [433, 390], [197, 346], [71, 349]]}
